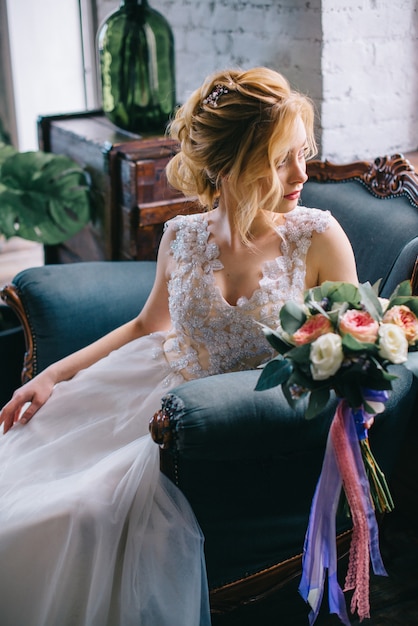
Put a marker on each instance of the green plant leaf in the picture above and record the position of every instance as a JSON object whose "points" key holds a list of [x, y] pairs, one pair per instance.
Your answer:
{"points": [[43, 197], [313, 294], [341, 292], [292, 317], [301, 377], [409, 301], [403, 289], [370, 300], [275, 339], [5, 152], [300, 354], [351, 344], [290, 400], [274, 373], [318, 399]]}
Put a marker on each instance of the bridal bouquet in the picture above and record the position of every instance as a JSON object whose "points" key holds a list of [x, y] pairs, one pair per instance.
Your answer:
{"points": [[343, 337]]}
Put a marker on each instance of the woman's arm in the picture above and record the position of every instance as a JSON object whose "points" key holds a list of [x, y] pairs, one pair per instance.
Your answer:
{"points": [[330, 257], [153, 317]]}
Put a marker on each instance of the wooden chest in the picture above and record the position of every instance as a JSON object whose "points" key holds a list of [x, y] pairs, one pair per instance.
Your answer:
{"points": [[144, 199], [131, 198]]}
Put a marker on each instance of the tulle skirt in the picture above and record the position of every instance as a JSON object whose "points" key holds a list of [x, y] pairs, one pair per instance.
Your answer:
{"points": [[91, 533]]}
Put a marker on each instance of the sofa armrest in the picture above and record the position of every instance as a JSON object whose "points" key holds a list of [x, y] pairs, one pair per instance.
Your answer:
{"points": [[223, 417], [63, 308], [249, 465]]}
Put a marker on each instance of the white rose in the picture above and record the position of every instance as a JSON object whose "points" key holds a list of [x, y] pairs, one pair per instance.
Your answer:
{"points": [[326, 356], [393, 345]]}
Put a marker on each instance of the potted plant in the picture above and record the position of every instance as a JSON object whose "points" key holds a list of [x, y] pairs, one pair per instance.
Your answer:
{"points": [[45, 198]]}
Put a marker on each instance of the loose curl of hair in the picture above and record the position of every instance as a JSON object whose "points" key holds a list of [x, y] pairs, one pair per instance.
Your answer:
{"points": [[241, 135]]}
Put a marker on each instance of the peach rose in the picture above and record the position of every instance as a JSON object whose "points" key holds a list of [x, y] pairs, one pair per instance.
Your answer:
{"points": [[313, 328], [360, 325], [403, 317]]}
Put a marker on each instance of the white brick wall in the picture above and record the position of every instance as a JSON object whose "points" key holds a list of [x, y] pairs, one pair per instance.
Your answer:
{"points": [[370, 78], [357, 59]]}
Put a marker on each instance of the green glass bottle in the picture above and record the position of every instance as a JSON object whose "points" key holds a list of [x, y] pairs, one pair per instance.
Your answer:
{"points": [[136, 61]]}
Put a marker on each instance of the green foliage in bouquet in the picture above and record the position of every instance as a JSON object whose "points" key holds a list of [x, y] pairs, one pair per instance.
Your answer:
{"points": [[342, 337], [43, 197]]}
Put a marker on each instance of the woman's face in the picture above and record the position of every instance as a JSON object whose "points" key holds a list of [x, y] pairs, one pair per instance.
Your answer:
{"points": [[292, 169]]}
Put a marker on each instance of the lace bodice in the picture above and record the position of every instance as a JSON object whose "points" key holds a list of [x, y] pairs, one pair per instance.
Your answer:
{"points": [[210, 336]]}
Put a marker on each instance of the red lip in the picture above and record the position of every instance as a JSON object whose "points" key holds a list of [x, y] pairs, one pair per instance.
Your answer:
{"points": [[292, 196]]}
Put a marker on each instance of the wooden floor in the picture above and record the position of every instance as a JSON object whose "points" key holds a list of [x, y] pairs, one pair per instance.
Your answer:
{"points": [[393, 600], [17, 254]]}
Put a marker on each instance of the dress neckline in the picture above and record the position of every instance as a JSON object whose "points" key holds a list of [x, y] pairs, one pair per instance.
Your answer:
{"points": [[216, 264]]}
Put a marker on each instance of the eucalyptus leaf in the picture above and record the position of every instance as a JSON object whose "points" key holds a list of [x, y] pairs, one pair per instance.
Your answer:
{"points": [[300, 354], [409, 301], [301, 379], [292, 317], [275, 339], [370, 300], [313, 294], [376, 286], [316, 305], [403, 289], [274, 373], [351, 344], [377, 370], [317, 402], [341, 292]]}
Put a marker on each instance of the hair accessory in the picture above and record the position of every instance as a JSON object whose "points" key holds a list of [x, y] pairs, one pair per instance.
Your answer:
{"points": [[213, 97]]}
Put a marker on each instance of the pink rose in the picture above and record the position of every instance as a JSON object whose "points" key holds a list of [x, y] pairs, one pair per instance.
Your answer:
{"points": [[403, 317], [360, 325], [313, 328]]}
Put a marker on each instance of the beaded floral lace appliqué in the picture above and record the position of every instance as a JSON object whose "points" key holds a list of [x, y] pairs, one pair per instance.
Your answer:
{"points": [[209, 335]]}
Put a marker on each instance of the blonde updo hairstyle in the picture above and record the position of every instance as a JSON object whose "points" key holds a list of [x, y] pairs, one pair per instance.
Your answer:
{"points": [[240, 125]]}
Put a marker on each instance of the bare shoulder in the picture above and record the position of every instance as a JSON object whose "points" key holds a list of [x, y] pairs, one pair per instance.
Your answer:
{"points": [[333, 233], [330, 256]]}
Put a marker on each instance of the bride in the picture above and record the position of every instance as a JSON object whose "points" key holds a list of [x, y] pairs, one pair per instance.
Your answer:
{"points": [[91, 533]]}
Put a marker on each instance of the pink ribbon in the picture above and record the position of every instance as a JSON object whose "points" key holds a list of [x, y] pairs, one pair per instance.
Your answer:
{"points": [[342, 466]]}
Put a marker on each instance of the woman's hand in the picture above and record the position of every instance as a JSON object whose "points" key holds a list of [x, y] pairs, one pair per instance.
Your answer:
{"points": [[34, 393]]}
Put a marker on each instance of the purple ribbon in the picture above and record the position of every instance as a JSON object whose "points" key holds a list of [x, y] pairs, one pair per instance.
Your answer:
{"points": [[320, 552]]}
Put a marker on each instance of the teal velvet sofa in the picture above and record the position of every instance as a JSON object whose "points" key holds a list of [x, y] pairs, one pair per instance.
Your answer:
{"points": [[246, 462]]}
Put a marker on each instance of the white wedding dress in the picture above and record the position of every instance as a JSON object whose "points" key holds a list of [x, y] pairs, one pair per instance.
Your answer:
{"points": [[91, 533]]}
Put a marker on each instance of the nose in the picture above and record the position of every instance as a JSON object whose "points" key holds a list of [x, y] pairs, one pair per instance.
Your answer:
{"points": [[297, 171]]}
